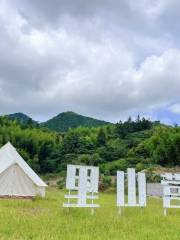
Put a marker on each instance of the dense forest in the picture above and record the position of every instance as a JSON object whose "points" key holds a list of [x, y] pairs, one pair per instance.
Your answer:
{"points": [[62, 122], [141, 144]]}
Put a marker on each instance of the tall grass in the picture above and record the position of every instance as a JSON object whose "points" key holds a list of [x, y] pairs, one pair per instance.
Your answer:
{"points": [[46, 219]]}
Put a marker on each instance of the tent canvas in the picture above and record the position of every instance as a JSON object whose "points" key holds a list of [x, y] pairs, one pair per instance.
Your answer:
{"points": [[16, 176]]}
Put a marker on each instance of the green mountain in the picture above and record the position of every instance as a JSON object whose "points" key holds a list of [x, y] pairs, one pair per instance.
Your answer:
{"points": [[139, 143], [21, 118], [66, 120]]}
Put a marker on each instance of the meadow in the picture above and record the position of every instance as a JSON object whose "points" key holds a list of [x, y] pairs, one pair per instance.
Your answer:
{"points": [[46, 219]]}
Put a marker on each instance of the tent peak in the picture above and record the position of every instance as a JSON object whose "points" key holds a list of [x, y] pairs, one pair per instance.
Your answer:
{"points": [[8, 145], [10, 156]]}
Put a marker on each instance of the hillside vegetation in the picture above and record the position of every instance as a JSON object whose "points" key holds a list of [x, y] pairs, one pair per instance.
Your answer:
{"points": [[141, 144], [60, 123], [67, 120], [21, 118], [36, 145]]}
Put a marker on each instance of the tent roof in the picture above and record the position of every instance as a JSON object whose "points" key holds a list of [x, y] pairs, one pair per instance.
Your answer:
{"points": [[9, 156]]}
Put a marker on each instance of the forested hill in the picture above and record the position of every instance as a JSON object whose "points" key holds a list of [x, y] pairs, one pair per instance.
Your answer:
{"points": [[141, 144], [61, 122], [66, 120], [22, 118]]}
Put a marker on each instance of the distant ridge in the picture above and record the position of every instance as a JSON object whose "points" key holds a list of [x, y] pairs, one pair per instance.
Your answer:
{"points": [[21, 117], [60, 123], [66, 120]]}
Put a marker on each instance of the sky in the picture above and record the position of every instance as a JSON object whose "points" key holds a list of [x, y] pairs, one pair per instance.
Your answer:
{"points": [[107, 59]]}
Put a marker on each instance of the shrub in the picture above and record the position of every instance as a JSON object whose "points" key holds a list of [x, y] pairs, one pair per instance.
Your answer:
{"points": [[105, 183]]}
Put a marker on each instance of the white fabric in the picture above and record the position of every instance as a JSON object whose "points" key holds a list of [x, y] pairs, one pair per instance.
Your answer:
{"points": [[16, 177], [14, 182]]}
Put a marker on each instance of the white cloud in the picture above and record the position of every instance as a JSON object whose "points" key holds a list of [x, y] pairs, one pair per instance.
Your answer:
{"points": [[89, 64], [175, 108]]}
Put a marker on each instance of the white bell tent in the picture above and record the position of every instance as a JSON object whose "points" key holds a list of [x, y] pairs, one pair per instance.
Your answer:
{"points": [[17, 179]]}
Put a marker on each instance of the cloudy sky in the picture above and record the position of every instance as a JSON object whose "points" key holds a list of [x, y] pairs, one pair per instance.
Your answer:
{"points": [[103, 58]]}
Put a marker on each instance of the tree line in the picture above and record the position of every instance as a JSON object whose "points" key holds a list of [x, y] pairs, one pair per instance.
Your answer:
{"points": [[136, 143]]}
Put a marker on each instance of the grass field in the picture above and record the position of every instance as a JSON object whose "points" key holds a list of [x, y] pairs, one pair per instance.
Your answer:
{"points": [[46, 219]]}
